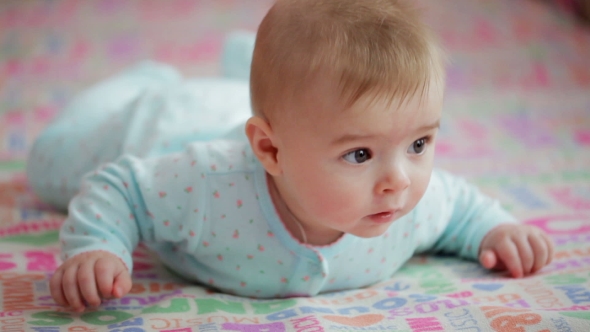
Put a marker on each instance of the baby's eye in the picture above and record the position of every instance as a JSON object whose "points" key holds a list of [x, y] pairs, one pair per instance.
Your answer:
{"points": [[357, 156], [418, 146]]}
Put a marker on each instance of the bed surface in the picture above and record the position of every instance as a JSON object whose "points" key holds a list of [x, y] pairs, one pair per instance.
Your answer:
{"points": [[517, 124]]}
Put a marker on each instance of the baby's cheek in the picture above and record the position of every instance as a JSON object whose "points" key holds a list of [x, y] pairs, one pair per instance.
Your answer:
{"points": [[419, 187], [331, 204]]}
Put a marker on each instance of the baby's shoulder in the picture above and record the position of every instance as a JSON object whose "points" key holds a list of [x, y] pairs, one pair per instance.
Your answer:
{"points": [[223, 155], [442, 188], [441, 179], [438, 179]]}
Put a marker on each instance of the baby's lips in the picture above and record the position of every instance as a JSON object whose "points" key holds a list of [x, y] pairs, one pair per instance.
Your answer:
{"points": [[383, 217]]}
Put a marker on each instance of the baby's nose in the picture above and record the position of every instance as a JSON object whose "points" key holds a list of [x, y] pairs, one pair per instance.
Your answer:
{"points": [[395, 180]]}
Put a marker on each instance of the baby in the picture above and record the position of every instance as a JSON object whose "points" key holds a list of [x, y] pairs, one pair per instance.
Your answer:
{"points": [[332, 186]]}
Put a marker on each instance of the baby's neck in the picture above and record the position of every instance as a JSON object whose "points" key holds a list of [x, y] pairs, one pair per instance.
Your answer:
{"points": [[302, 231]]}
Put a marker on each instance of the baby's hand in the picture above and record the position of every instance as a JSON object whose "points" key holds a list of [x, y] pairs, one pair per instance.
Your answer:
{"points": [[88, 277], [522, 249]]}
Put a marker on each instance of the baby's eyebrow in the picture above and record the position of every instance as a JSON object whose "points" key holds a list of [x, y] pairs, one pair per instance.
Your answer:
{"points": [[356, 137], [430, 126], [351, 138]]}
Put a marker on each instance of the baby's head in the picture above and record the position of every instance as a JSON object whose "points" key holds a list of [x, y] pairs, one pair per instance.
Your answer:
{"points": [[339, 88], [377, 47]]}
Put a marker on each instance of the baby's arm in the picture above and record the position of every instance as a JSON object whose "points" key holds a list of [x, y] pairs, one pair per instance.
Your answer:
{"points": [[479, 228], [122, 203], [97, 238]]}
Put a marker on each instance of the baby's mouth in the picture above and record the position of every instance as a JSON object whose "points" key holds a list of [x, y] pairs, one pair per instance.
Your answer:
{"points": [[383, 217]]}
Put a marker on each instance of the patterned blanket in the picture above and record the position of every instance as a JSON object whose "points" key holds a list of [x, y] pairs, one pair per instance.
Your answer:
{"points": [[517, 124]]}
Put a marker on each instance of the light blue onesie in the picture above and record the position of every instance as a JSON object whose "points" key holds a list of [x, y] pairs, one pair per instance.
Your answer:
{"points": [[186, 183]]}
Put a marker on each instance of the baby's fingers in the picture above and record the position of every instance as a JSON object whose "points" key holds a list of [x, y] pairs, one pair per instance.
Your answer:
{"points": [[508, 253], [122, 284], [55, 287], [550, 247], [104, 271], [87, 283], [488, 259], [541, 252], [525, 253], [70, 288]]}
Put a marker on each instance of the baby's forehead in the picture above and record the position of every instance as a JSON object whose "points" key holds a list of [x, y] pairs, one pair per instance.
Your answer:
{"points": [[330, 96]]}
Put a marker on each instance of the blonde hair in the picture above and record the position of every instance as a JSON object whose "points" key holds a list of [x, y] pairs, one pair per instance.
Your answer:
{"points": [[368, 46]]}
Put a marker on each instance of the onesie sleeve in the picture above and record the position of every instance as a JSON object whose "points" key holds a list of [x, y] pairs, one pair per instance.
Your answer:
{"points": [[152, 200], [458, 215]]}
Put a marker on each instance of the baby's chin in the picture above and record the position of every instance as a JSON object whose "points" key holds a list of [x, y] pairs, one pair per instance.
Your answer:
{"points": [[374, 231]]}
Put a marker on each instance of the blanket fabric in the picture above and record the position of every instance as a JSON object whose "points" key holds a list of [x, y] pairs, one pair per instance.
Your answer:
{"points": [[517, 124]]}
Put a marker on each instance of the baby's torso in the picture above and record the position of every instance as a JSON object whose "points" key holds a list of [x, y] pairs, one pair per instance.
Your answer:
{"points": [[244, 254], [243, 248]]}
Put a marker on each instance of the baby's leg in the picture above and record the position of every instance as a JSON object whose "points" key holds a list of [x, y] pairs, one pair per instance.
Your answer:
{"points": [[237, 54], [146, 111], [80, 137]]}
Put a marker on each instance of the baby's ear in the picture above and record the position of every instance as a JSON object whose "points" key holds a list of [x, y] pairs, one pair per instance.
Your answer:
{"points": [[261, 139]]}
